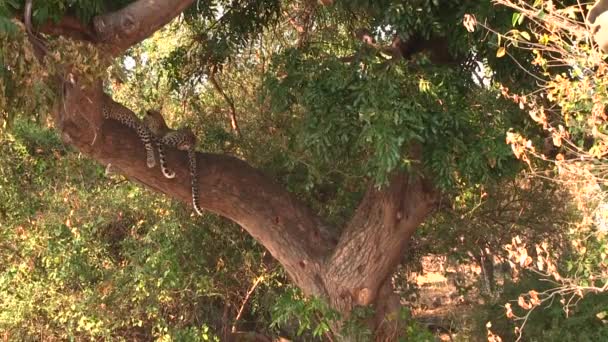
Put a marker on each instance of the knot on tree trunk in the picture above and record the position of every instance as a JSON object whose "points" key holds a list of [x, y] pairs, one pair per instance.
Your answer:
{"points": [[113, 27], [128, 24], [365, 296]]}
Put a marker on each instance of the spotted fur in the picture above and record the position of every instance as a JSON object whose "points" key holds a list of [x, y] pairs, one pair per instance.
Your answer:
{"points": [[157, 125], [193, 181], [184, 140], [114, 111]]}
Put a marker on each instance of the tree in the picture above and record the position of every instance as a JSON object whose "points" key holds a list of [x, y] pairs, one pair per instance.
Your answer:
{"points": [[410, 129]]}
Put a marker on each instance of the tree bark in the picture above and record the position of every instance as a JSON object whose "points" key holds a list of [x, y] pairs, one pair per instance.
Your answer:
{"points": [[124, 28], [348, 269]]}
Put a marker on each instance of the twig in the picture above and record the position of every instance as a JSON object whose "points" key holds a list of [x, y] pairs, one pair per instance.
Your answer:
{"points": [[245, 300], [233, 122]]}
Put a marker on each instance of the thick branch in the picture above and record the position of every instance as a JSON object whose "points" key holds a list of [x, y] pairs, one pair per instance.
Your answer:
{"points": [[374, 241], [399, 49], [137, 21], [293, 234]]}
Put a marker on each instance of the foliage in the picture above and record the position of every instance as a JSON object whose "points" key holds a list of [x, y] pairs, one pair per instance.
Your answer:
{"points": [[483, 220], [362, 120], [54, 10], [218, 31], [312, 314], [22, 79], [6, 25], [85, 256], [569, 106], [316, 317], [549, 322], [27, 86], [414, 331], [359, 116]]}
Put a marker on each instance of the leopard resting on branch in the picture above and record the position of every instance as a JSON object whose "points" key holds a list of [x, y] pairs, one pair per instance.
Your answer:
{"points": [[182, 139], [115, 111]]}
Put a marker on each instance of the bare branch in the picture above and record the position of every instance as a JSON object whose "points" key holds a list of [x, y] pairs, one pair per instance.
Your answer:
{"points": [[233, 121], [245, 300]]}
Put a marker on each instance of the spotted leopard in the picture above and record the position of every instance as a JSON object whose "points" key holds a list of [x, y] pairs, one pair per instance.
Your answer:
{"points": [[114, 111], [157, 125], [184, 140]]}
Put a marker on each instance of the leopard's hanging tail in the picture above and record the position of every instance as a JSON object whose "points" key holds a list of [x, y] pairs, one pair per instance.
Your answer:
{"points": [[146, 138], [162, 160], [194, 181]]}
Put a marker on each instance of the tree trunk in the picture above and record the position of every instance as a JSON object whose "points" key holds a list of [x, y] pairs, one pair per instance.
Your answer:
{"points": [[348, 269]]}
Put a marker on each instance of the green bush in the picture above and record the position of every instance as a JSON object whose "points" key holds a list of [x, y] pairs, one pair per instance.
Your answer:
{"points": [[86, 256]]}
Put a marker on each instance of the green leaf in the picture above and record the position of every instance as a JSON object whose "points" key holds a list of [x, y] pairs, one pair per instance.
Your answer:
{"points": [[7, 26], [517, 19], [541, 14]]}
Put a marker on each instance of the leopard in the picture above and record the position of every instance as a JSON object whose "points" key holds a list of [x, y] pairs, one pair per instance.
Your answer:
{"points": [[182, 139], [155, 122], [115, 111]]}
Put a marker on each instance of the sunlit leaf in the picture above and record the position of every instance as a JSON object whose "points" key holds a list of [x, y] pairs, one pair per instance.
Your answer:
{"points": [[501, 52]]}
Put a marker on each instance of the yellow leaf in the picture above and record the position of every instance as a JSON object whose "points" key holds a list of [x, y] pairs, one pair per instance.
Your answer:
{"points": [[501, 52]]}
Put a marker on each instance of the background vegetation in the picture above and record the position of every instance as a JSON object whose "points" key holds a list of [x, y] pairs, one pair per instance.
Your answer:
{"points": [[86, 254]]}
